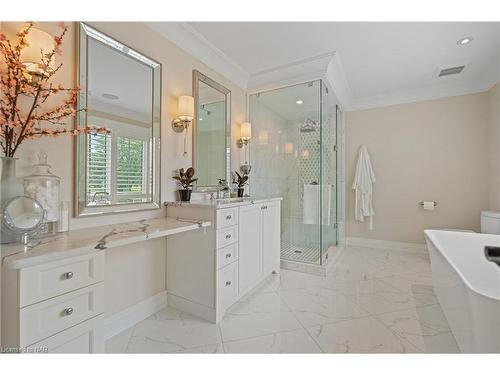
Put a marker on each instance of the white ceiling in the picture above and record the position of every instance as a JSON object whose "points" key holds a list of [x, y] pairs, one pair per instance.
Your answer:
{"points": [[374, 63]]}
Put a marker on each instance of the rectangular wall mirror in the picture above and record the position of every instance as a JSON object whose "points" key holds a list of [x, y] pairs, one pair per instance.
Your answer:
{"points": [[121, 90], [211, 132]]}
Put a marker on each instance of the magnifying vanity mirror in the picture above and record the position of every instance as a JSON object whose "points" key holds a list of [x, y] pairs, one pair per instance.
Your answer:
{"points": [[211, 132], [121, 90], [23, 216]]}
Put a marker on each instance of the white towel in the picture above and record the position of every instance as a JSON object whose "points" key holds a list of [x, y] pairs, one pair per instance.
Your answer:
{"points": [[311, 202], [362, 184]]}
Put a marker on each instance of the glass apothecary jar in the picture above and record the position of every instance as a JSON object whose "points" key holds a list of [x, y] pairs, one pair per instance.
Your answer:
{"points": [[43, 186]]}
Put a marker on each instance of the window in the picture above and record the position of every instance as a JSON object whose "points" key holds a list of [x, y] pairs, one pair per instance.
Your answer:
{"points": [[99, 167], [130, 168], [122, 178]]}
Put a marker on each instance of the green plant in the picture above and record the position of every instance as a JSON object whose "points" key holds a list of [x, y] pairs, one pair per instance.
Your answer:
{"points": [[240, 179], [186, 179]]}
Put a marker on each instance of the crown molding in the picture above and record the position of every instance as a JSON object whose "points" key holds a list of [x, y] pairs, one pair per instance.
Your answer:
{"points": [[326, 66], [191, 41], [294, 72], [423, 94]]}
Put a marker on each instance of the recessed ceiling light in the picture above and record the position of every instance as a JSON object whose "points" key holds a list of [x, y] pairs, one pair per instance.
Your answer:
{"points": [[110, 96], [299, 102], [464, 41]]}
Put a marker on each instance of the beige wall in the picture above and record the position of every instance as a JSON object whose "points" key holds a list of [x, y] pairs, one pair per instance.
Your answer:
{"points": [[126, 270], [493, 103], [430, 150]]}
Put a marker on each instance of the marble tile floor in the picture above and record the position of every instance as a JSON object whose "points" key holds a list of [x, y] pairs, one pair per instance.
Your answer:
{"points": [[371, 301]]}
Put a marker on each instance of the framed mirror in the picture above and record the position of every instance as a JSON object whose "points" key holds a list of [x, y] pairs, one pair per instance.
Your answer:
{"points": [[121, 90], [211, 132]]}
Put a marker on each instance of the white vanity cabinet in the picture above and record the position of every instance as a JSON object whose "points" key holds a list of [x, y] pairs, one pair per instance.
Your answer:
{"points": [[259, 240], [55, 307], [208, 272]]}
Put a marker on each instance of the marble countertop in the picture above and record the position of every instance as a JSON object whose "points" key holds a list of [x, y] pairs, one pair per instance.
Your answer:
{"points": [[225, 203], [88, 240]]}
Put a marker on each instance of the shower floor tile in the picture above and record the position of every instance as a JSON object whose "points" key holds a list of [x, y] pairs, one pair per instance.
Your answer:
{"points": [[297, 253]]}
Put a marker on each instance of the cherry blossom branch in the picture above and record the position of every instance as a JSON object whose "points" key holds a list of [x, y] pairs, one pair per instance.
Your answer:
{"points": [[16, 125]]}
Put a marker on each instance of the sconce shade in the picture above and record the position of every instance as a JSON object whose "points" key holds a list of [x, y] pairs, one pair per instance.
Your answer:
{"points": [[37, 40], [186, 107], [246, 131]]}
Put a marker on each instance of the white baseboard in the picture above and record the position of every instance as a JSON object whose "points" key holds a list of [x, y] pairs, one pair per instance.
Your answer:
{"points": [[193, 308], [132, 315], [389, 245]]}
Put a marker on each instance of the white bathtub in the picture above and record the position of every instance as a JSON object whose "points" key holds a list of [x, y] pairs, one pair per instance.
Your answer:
{"points": [[468, 287]]}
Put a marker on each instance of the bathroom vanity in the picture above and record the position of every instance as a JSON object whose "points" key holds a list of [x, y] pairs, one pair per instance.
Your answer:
{"points": [[53, 295], [217, 250], [208, 272]]}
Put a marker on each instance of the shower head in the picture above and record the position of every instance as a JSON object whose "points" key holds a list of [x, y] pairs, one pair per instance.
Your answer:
{"points": [[309, 126]]}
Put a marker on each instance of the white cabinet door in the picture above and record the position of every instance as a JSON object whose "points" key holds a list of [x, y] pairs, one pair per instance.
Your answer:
{"points": [[250, 248], [271, 232], [86, 337]]}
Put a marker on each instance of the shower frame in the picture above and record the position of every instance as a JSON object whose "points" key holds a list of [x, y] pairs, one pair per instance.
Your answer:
{"points": [[327, 103]]}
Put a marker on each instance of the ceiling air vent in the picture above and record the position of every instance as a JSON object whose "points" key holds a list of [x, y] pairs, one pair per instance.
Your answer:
{"points": [[451, 71]]}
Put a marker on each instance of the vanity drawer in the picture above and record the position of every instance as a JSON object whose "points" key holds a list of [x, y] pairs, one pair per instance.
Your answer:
{"points": [[227, 217], [227, 255], [41, 320], [227, 285], [226, 236], [86, 337], [55, 278]]}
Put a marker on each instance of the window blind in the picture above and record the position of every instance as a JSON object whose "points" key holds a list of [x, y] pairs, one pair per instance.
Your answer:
{"points": [[99, 164]]}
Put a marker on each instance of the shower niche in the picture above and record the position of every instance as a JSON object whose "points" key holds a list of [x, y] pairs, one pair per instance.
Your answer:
{"points": [[296, 153]]}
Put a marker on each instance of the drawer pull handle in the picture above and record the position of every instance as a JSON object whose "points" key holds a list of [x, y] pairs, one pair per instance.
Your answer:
{"points": [[68, 275], [229, 217], [228, 255], [228, 236], [68, 311], [228, 283]]}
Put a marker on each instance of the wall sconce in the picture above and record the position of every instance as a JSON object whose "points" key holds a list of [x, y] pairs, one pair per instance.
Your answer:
{"points": [[246, 134], [186, 114], [288, 148], [38, 40]]}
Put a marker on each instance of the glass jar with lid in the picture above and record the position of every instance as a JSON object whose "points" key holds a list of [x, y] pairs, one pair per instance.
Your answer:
{"points": [[43, 186]]}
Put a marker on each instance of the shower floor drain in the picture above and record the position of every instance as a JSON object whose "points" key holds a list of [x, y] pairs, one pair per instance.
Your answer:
{"points": [[299, 253]]}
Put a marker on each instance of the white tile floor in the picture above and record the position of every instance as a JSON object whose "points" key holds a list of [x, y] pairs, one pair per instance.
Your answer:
{"points": [[372, 301]]}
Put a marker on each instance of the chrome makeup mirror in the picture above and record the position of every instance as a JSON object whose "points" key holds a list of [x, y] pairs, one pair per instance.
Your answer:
{"points": [[23, 217], [211, 132]]}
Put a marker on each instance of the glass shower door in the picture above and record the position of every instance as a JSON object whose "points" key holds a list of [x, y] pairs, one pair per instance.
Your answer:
{"points": [[329, 168], [285, 154]]}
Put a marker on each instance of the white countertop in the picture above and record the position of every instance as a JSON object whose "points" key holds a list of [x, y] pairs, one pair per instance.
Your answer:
{"points": [[88, 240], [224, 203]]}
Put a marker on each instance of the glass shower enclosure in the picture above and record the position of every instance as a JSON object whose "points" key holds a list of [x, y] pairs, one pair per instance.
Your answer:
{"points": [[294, 154]]}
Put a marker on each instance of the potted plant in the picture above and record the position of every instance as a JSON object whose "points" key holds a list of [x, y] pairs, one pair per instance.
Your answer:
{"points": [[240, 180], [186, 180]]}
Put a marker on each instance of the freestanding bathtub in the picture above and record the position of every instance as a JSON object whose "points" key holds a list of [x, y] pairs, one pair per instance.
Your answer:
{"points": [[467, 286]]}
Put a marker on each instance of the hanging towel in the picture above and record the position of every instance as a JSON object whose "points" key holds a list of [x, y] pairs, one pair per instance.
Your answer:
{"points": [[311, 202], [362, 185]]}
